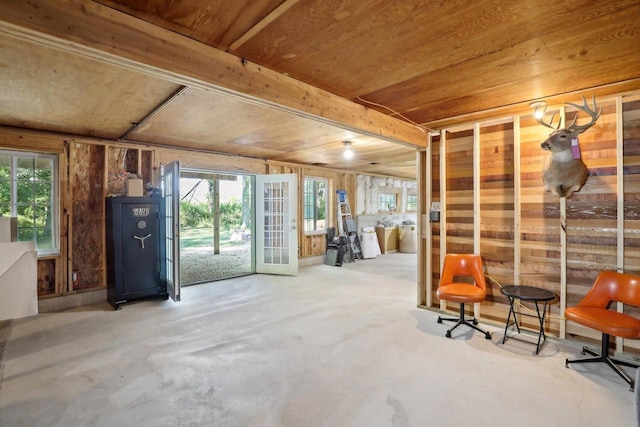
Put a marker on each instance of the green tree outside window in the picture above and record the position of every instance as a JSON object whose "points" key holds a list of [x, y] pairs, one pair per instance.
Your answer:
{"points": [[315, 204], [27, 191]]}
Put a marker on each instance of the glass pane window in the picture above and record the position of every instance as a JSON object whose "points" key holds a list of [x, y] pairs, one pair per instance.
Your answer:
{"points": [[28, 192], [315, 204], [412, 202], [387, 201]]}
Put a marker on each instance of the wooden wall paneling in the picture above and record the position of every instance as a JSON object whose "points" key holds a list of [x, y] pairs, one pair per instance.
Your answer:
{"points": [[517, 208], [540, 213], [64, 194], [459, 192], [619, 341], [591, 213], [315, 245], [496, 207], [47, 275], [87, 215], [117, 168], [434, 226], [459, 199], [630, 147], [539, 216], [476, 207], [442, 229], [199, 160], [631, 163], [145, 169], [131, 160], [20, 139], [423, 158], [521, 234]]}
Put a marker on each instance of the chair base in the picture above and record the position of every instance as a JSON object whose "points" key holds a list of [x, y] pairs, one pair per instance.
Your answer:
{"points": [[462, 321], [603, 357]]}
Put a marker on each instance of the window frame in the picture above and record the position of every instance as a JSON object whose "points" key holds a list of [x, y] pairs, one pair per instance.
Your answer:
{"points": [[54, 200], [409, 196], [395, 194], [315, 219]]}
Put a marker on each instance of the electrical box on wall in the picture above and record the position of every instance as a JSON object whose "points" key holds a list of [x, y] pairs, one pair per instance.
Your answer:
{"points": [[434, 214]]}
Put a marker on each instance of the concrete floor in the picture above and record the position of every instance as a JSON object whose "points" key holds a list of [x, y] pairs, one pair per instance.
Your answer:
{"points": [[334, 346]]}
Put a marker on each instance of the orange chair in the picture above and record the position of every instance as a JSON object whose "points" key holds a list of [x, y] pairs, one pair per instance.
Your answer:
{"points": [[593, 312], [457, 265]]}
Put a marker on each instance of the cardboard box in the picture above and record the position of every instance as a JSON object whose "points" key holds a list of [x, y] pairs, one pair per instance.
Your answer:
{"points": [[135, 188]]}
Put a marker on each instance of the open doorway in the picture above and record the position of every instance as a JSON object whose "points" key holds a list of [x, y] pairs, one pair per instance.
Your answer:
{"points": [[216, 226]]}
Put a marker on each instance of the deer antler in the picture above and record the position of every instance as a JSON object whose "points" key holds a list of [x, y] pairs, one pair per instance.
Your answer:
{"points": [[595, 113], [540, 118]]}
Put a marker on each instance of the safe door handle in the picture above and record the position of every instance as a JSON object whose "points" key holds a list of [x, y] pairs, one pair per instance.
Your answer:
{"points": [[142, 239]]}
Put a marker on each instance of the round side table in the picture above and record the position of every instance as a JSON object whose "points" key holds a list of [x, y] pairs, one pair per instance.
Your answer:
{"points": [[529, 294]]}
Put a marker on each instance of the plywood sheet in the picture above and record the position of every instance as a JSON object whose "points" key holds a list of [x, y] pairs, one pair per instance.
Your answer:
{"points": [[87, 216]]}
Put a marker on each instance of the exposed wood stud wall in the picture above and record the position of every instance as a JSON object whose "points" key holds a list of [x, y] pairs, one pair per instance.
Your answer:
{"points": [[93, 174], [517, 234], [436, 226], [521, 238], [496, 192], [423, 158], [46, 277], [87, 215], [619, 341], [476, 200], [631, 194]]}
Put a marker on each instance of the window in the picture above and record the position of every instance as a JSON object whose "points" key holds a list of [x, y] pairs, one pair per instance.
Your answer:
{"points": [[387, 201], [315, 204], [412, 202], [28, 192]]}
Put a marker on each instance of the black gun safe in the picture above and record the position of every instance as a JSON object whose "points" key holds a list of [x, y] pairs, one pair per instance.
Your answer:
{"points": [[135, 234]]}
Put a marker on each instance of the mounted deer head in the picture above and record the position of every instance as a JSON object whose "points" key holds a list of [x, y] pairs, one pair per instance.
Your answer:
{"points": [[566, 172]]}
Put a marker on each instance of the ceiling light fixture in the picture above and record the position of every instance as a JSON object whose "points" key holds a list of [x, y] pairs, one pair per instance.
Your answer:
{"points": [[539, 108], [347, 153]]}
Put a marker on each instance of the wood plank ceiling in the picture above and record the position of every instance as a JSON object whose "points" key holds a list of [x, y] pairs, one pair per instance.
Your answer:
{"points": [[435, 63]]}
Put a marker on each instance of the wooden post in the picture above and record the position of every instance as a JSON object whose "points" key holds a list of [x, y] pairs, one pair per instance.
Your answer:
{"points": [[517, 254], [443, 204], [424, 199], [215, 183], [563, 263], [428, 255], [476, 200], [620, 202], [563, 254]]}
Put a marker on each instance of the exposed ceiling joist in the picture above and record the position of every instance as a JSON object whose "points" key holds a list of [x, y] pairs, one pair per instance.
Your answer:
{"points": [[275, 14], [99, 32]]}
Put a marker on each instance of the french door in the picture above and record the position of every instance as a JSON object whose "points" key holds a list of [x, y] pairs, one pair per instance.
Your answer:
{"points": [[276, 224], [171, 189]]}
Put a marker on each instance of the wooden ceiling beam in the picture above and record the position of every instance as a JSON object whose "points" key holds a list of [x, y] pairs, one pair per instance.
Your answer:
{"points": [[91, 29], [275, 14]]}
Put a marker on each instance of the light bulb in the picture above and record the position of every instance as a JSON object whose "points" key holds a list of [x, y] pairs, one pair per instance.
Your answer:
{"points": [[348, 152], [539, 108]]}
